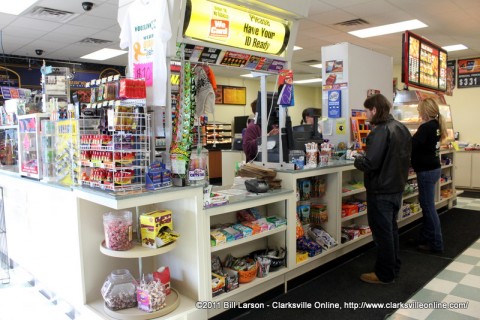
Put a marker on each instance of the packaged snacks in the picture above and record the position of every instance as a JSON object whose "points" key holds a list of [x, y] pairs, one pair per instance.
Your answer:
{"points": [[163, 276], [217, 236], [246, 231], [152, 223], [318, 213]]}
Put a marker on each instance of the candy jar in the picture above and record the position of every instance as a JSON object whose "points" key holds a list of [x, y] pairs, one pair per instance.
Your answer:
{"points": [[118, 227], [119, 290]]}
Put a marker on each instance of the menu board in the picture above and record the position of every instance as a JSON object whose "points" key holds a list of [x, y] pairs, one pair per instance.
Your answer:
{"points": [[424, 63]]}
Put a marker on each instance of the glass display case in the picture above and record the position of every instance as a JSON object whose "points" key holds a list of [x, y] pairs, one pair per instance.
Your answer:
{"points": [[9, 147], [405, 110], [29, 129]]}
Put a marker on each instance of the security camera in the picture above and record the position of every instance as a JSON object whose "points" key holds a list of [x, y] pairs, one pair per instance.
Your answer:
{"points": [[39, 52], [87, 6]]}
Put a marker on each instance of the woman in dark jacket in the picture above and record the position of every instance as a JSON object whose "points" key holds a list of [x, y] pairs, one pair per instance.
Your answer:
{"points": [[426, 163]]}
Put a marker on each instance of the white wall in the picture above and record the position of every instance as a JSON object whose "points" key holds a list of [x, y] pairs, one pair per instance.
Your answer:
{"points": [[465, 107]]}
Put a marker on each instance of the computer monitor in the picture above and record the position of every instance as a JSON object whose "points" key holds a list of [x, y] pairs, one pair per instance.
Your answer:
{"points": [[303, 134], [239, 123]]}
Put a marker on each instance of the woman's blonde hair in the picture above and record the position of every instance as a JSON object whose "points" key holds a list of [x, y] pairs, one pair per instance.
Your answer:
{"points": [[428, 109]]}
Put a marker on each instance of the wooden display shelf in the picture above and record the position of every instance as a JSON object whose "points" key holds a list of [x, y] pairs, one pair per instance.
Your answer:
{"points": [[137, 251]]}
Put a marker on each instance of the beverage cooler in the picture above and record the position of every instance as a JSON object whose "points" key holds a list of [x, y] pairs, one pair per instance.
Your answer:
{"points": [[29, 144]]}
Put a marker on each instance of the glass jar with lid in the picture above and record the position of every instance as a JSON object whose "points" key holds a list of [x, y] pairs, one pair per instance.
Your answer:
{"points": [[119, 290], [118, 227]]}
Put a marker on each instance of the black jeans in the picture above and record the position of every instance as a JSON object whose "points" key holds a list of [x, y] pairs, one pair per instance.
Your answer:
{"points": [[382, 213]]}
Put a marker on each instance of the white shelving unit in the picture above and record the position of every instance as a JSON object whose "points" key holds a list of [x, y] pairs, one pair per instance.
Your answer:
{"points": [[189, 258], [139, 252], [273, 203], [185, 257]]}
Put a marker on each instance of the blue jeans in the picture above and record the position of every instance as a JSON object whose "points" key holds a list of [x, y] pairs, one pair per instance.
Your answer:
{"points": [[382, 213], [431, 231]]}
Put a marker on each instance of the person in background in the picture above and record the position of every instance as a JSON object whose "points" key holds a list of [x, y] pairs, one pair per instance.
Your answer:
{"points": [[385, 166], [253, 131], [308, 114], [426, 163]]}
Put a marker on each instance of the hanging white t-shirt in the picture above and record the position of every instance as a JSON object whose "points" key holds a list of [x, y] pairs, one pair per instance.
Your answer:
{"points": [[145, 31]]}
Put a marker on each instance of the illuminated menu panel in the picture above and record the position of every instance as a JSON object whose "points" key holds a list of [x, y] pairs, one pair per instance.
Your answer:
{"points": [[237, 27], [426, 63]]}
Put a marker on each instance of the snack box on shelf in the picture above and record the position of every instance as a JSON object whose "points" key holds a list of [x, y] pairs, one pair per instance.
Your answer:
{"points": [[151, 223]]}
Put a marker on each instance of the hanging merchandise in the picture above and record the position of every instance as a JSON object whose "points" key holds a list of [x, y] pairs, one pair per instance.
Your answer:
{"points": [[183, 124], [145, 31], [285, 81], [205, 97]]}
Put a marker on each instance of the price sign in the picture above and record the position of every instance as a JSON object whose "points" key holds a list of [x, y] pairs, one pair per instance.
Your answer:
{"points": [[468, 73], [469, 81]]}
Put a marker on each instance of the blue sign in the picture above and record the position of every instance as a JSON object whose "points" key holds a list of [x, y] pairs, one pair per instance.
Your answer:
{"points": [[334, 103]]}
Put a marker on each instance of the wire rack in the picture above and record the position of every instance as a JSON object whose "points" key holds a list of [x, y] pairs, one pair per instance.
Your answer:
{"points": [[117, 160]]}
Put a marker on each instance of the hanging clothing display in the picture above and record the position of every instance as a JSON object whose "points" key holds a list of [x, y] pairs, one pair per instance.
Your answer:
{"points": [[205, 97], [145, 31]]}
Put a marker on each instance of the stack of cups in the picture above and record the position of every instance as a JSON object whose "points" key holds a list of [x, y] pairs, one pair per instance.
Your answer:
{"points": [[311, 149]]}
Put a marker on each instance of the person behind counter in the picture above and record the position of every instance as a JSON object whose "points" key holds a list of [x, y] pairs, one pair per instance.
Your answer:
{"points": [[385, 166], [253, 131], [308, 115], [426, 163]]}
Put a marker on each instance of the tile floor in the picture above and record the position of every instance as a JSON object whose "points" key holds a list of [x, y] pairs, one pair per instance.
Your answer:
{"points": [[458, 283]]}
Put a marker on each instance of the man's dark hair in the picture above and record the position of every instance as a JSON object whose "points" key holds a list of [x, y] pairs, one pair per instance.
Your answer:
{"points": [[253, 105], [381, 104]]}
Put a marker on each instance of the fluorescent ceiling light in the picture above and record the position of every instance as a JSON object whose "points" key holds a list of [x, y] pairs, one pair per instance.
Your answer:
{"points": [[318, 65], [15, 7], [307, 81], [247, 75], [389, 28], [103, 54], [295, 48], [455, 47]]}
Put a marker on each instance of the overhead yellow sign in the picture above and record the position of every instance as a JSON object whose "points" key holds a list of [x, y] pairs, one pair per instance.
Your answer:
{"points": [[235, 27]]}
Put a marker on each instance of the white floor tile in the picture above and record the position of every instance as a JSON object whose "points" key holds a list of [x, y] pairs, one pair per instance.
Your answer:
{"points": [[472, 310], [414, 313], [472, 252], [440, 285], [459, 267], [472, 281]]}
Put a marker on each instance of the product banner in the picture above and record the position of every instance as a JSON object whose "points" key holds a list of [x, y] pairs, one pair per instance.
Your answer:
{"points": [[15, 93], [468, 73], [334, 103]]}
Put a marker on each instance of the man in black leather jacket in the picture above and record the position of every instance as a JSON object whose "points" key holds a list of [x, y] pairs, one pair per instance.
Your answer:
{"points": [[385, 166]]}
